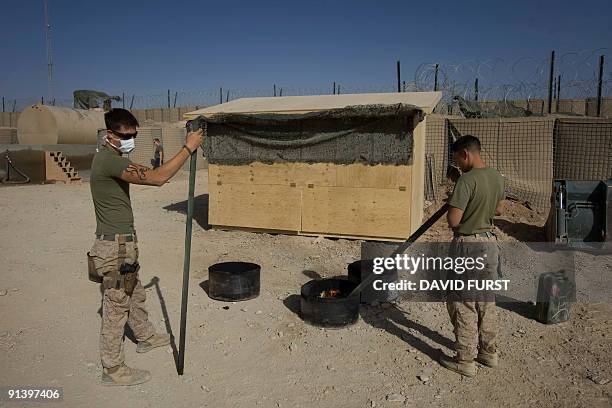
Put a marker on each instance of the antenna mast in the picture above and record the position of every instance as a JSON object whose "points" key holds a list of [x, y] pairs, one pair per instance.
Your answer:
{"points": [[49, 55]]}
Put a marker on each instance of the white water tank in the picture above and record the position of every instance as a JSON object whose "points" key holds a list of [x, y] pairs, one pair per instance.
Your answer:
{"points": [[43, 125]]}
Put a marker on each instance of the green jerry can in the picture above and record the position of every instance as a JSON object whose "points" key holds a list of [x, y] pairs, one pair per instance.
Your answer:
{"points": [[555, 296]]}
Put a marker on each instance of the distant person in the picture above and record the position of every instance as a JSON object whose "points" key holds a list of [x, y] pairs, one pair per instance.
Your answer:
{"points": [[475, 201], [158, 155], [114, 254]]}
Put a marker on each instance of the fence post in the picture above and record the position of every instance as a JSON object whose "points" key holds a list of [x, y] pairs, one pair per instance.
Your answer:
{"points": [[599, 84], [227, 97], [476, 89], [550, 80], [132, 101], [436, 79], [399, 88], [123, 99], [221, 95], [338, 89], [558, 93], [14, 104], [334, 90], [42, 100], [3, 104], [281, 92], [274, 89], [175, 96]]}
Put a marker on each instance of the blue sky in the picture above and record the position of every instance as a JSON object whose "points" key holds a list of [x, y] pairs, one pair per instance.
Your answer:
{"points": [[147, 47]]}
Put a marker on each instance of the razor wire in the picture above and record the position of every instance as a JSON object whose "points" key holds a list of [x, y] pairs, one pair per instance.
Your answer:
{"points": [[525, 78]]}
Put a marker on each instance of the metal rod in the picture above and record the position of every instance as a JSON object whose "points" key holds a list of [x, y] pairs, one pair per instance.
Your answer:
{"points": [[403, 246], [476, 89], [558, 93], [42, 100], [221, 95], [599, 84], [281, 92], [227, 97], [186, 263], [168, 98], [436, 78], [338, 92], [274, 89], [334, 91], [14, 104], [3, 104], [132, 101], [123, 99], [550, 80], [175, 96], [399, 82]]}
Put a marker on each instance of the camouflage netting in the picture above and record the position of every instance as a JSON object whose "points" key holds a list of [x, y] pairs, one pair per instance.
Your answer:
{"points": [[373, 134]]}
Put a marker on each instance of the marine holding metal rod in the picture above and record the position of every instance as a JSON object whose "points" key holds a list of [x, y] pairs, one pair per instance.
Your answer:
{"points": [[114, 254], [476, 199]]}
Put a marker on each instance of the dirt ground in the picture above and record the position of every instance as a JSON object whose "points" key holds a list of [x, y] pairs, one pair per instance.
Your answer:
{"points": [[259, 352]]}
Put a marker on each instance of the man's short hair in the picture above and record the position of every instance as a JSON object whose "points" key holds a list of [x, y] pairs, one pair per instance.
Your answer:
{"points": [[156, 139], [117, 118], [467, 142]]}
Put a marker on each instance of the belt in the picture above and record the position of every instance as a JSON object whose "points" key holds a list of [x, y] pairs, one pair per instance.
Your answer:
{"points": [[112, 237], [486, 234]]}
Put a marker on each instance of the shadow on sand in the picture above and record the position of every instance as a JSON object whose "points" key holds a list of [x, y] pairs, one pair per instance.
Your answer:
{"points": [[200, 210]]}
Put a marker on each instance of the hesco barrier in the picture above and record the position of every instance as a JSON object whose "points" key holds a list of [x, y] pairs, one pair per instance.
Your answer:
{"points": [[529, 152]]}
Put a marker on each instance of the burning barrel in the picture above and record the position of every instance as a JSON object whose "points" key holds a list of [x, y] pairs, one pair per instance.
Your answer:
{"points": [[325, 303]]}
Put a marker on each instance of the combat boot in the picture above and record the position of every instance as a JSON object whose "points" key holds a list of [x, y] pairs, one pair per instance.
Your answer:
{"points": [[157, 340], [124, 375], [487, 359], [466, 368]]}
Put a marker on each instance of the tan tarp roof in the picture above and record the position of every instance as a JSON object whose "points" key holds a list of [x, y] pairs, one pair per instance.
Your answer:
{"points": [[425, 101]]}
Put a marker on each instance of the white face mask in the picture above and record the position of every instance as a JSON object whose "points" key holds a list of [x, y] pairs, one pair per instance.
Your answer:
{"points": [[127, 146]]}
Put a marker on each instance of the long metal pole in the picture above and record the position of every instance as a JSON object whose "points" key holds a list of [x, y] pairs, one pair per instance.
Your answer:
{"points": [[436, 79], [558, 93], [550, 80], [599, 84], [399, 82], [476, 89], [186, 263], [403, 246]]}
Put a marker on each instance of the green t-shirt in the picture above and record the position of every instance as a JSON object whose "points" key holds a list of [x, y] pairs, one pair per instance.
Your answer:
{"points": [[478, 193], [111, 195]]}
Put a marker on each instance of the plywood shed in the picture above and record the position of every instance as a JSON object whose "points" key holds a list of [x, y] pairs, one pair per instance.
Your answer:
{"points": [[333, 165]]}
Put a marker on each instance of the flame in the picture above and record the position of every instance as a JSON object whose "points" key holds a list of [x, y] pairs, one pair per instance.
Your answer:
{"points": [[331, 293]]}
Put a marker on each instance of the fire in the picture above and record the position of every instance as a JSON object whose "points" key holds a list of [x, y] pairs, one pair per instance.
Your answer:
{"points": [[331, 293]]}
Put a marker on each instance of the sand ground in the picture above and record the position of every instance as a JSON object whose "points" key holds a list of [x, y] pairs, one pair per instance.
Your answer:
{"points": [[259, 352]]}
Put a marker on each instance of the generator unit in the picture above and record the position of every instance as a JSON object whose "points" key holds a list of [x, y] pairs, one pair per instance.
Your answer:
{"points": [[581, 213]]}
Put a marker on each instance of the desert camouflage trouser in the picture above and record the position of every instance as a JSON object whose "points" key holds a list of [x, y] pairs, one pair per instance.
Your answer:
{"points": [[117, 307], [474, 317]]}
